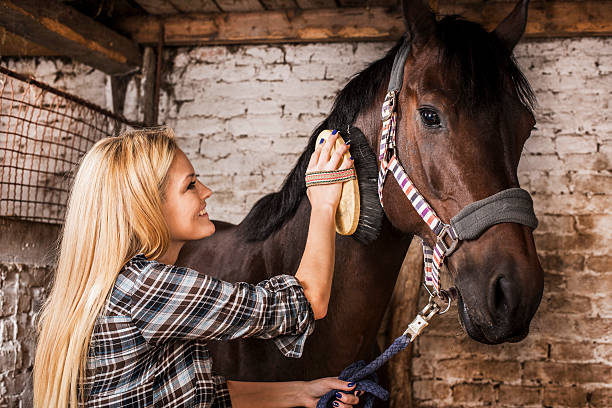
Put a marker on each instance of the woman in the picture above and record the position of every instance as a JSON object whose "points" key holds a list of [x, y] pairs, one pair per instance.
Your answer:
{"points": [[124, 327]]}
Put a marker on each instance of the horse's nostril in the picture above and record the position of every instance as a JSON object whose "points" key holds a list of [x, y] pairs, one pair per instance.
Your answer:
{"points": [[503, 297], [499, 297]]}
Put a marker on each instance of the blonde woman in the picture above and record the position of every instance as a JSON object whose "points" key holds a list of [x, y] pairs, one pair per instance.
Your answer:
{"points": [[124, 327]]}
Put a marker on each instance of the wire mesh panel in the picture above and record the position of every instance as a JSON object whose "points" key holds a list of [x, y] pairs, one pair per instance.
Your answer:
{"points": [[43, 134]]}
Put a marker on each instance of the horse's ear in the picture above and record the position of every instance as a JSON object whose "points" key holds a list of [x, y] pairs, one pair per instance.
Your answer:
{"points": [[420, 20], [512, 28]]}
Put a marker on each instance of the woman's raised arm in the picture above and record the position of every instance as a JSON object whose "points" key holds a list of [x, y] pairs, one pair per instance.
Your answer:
{"points": [[317, 265]]}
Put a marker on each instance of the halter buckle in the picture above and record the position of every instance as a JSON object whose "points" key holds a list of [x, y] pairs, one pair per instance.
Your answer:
{"points": [[447, 248]]}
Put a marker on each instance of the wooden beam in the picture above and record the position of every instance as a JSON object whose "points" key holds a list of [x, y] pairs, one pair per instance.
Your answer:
{"points": [[196, 6], [315, 4], [239, 5], [268, 27], [157, 6], [12, 45], [546, 19], [279, 4], [549, 19], [61, 28]]}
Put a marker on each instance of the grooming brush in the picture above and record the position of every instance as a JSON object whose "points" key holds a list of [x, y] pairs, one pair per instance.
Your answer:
{"points": [[370, 214], [347, 214]]}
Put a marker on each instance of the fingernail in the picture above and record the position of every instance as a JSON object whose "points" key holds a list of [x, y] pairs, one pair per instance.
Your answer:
{"points": [[335, 404], [348, 142], [356, 392], [334, 132], [321, 141], [351, 158], [338, 395], [350, 385]]}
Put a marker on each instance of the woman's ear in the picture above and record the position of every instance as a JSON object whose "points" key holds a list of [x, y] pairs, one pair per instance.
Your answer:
{"points": [[512, 28]]}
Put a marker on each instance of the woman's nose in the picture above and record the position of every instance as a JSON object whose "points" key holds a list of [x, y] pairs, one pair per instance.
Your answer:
{"points": [[206, 192]]}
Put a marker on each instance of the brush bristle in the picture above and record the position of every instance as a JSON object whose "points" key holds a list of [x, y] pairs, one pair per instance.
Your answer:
{"points": [[371, 212]]}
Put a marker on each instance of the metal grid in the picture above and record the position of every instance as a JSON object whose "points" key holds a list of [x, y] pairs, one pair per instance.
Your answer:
{"points": [[44, 133]]}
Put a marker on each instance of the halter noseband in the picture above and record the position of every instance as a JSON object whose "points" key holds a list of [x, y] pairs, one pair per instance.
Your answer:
{"points": [[510, 205]]}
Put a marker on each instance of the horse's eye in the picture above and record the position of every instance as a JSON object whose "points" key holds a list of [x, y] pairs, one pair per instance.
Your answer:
{"points": [[430, 118]]}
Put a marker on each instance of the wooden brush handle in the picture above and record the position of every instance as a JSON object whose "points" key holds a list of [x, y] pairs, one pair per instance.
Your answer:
{"points": [[347, 214]]}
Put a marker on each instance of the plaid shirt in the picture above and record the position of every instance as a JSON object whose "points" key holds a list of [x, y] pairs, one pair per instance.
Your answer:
{"points": [[148, 347]]}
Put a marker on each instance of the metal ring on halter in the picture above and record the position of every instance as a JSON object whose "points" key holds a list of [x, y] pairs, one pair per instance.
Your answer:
{"points": [[448, 305], [441, 295]]}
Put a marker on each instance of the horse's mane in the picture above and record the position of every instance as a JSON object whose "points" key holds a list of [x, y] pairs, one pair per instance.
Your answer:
{"points": [[478, 56]]}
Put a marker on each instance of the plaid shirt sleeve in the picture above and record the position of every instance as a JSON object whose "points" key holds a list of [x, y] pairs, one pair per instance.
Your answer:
{"points": [[170, 302]]}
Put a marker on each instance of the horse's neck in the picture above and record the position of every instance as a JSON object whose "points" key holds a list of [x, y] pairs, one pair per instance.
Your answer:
{"points": [[364, 275]]}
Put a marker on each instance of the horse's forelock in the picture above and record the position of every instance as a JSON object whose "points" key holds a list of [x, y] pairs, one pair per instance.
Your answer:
{"points": [[480, 63]]}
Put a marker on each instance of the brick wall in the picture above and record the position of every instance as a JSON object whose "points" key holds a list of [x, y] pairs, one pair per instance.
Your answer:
{"points": [[242, 114], [22, 287]]}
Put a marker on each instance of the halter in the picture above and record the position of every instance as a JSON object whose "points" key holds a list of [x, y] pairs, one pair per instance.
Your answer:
{"points": [[510, 205]]}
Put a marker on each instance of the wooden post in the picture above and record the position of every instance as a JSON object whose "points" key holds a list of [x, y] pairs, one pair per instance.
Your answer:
{"points": [[148, 95], [118, 88]]}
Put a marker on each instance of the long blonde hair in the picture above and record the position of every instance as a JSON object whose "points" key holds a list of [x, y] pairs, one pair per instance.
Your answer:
{"points": [[114, 212]]}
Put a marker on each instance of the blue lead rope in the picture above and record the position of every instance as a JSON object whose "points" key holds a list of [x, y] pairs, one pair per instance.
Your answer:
{"points": [[365, 376]]}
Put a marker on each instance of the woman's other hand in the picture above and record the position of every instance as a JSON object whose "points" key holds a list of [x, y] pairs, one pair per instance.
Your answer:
{"points": [[315, 389], [323, 160]]}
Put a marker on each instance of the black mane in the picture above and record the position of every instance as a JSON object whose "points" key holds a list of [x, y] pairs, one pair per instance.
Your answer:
{"points": [[477, 56], [272, 210]]}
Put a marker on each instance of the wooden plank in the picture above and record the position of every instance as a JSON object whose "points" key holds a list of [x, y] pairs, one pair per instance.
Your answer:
{"points": [[157, 7], [196, 6], [63, 29], [315, 4], [12, 45], [546, 19], [279, 4], [550, 19], [370, 3], [239, 5], [269, 27]]}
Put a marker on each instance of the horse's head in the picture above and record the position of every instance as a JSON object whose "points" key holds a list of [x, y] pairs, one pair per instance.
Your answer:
{"points": [[463, 117]]}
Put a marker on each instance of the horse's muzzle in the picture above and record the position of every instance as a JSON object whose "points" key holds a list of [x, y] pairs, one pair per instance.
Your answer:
{"points": [[504, 316]]}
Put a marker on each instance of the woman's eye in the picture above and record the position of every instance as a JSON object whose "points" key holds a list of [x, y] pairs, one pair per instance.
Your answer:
{"points": [[430, 118], [191, 185]]}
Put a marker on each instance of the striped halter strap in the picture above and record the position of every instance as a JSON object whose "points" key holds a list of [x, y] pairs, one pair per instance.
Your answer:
{"points": [[510, 205]]}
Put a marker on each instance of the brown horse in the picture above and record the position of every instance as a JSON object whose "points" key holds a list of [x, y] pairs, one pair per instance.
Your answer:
{"points": [[464, 115]]}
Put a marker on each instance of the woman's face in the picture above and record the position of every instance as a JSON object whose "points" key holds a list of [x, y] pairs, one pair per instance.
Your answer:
{"points": [[184, 205]]}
